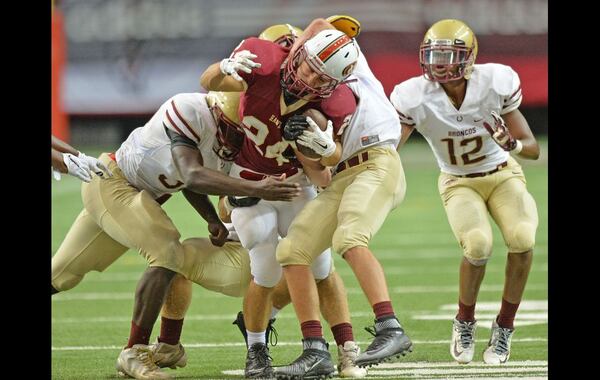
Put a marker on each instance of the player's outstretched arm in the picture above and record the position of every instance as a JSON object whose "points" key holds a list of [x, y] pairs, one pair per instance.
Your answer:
{"points": [[197, 178], [223, 75], [204, 207]]}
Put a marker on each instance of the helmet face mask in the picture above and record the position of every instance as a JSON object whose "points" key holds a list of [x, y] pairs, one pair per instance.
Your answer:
{"points": [[230, 136], [331, 54], [448, 51]]}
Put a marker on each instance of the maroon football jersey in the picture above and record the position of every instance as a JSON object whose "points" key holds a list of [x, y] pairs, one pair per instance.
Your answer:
{"points": [[264, 113]]}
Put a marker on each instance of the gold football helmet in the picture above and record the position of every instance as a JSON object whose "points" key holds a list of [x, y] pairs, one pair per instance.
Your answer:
{"points": [[282, 34], [230, 134], [448, 51], [346, 24]]}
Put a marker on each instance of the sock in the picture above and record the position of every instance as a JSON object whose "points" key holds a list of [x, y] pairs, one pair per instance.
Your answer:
{"points": [[383, 309], [465, 313], [274, 312], [170, 330], [311, 329], [256, 337], [342, 333], [138, 335], [507, 313]]}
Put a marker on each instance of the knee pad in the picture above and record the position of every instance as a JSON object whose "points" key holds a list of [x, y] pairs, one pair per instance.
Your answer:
{"points": [[321, 267], [522, 238], [477, 246], [66, 281], [264, 267]]}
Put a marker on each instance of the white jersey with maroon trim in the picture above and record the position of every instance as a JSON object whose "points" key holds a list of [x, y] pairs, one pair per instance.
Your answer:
{"points": [[145, 157], [459, 141], [375, 122]]}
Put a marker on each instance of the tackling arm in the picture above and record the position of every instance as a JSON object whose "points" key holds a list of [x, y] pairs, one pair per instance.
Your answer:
{"points": [[202, 204], [213, 79], [318, 174]]}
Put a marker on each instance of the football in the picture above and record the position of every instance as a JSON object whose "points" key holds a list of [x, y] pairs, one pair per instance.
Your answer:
{"points": [[321, 121]]}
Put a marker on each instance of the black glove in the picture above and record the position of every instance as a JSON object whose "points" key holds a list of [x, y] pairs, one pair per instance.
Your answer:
{"points": [[294, 127], [243, 202]]}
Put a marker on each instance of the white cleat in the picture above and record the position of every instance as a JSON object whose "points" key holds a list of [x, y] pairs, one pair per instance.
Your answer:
{"points": [[137, 362], [498, 350], [462, 345], [169, 355], [346, 361]]}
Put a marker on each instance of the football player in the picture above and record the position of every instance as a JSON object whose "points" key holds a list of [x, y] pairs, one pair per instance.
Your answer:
{"points": [[469, 115], [68, 160], [180, 148], [368, 183], [278, 85]]}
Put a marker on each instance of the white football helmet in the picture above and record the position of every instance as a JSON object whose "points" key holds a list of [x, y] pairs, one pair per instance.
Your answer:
{"points": [[331, 54]]}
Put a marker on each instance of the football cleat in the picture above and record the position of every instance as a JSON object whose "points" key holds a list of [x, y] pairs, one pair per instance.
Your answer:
{"points": [[462, 346], [314, 362], [498, 349], [270, 334], [347, 355], [168, 355], [137, 362], [258, 362], [389, 342]]}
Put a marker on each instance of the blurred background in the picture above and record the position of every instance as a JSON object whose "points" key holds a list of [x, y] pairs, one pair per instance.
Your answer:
{"points": [[114, 62]]}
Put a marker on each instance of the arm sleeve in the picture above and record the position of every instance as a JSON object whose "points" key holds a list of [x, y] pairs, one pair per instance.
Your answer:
{"points": [[177, 139], [180, 117], [396, 98], [339, 108], [512, 101]]}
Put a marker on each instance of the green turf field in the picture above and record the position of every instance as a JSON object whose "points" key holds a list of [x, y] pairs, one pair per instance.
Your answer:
{"points": [[90, 324]]}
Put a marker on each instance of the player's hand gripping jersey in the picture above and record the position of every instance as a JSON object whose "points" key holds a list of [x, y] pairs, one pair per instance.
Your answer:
{"points": [[263, 110], [459, 140], [145, 157]]}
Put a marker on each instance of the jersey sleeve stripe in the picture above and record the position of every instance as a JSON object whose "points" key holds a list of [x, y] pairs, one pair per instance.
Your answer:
{"points": [[173, 124], [404, 116], [183, 121], [515, 93]]}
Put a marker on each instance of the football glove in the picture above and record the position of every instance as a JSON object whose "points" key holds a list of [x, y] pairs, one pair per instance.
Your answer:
{"points": [[77, 167], [501, 135], [242, 60], [95, 165], [321, 142], [294, 127]]}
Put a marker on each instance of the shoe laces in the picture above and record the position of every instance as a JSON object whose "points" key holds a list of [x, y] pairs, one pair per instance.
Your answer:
{"points": [[261, 354], [502, 338], [465, 331], [348, 357], [273, 336], [145, 357], [381, 339]]}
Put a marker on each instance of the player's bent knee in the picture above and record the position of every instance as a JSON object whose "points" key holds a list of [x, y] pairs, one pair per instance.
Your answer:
{"points": [[344, 240], [288, 254], [477, 247], [522, 238], [66, 281]]}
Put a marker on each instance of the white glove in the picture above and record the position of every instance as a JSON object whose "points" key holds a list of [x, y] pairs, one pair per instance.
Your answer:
{"points": [[321, 142], [242, 60], [77, 167], [95, 165]]}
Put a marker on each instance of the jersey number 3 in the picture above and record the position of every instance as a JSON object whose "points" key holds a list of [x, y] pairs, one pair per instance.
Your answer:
{"points": [[465, 156]]}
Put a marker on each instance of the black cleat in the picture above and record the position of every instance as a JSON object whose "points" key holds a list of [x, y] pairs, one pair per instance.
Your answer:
{"points": [[258, 363], [270, 335], [314, 363], [389, 343]]}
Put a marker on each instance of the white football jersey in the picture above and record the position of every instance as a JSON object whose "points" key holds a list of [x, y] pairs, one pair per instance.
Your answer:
{"points": [[375, 122], [459, 141], [145, 157]]}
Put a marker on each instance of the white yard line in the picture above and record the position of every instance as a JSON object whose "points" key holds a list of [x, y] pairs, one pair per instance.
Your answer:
{"points": [[94, 296]]}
